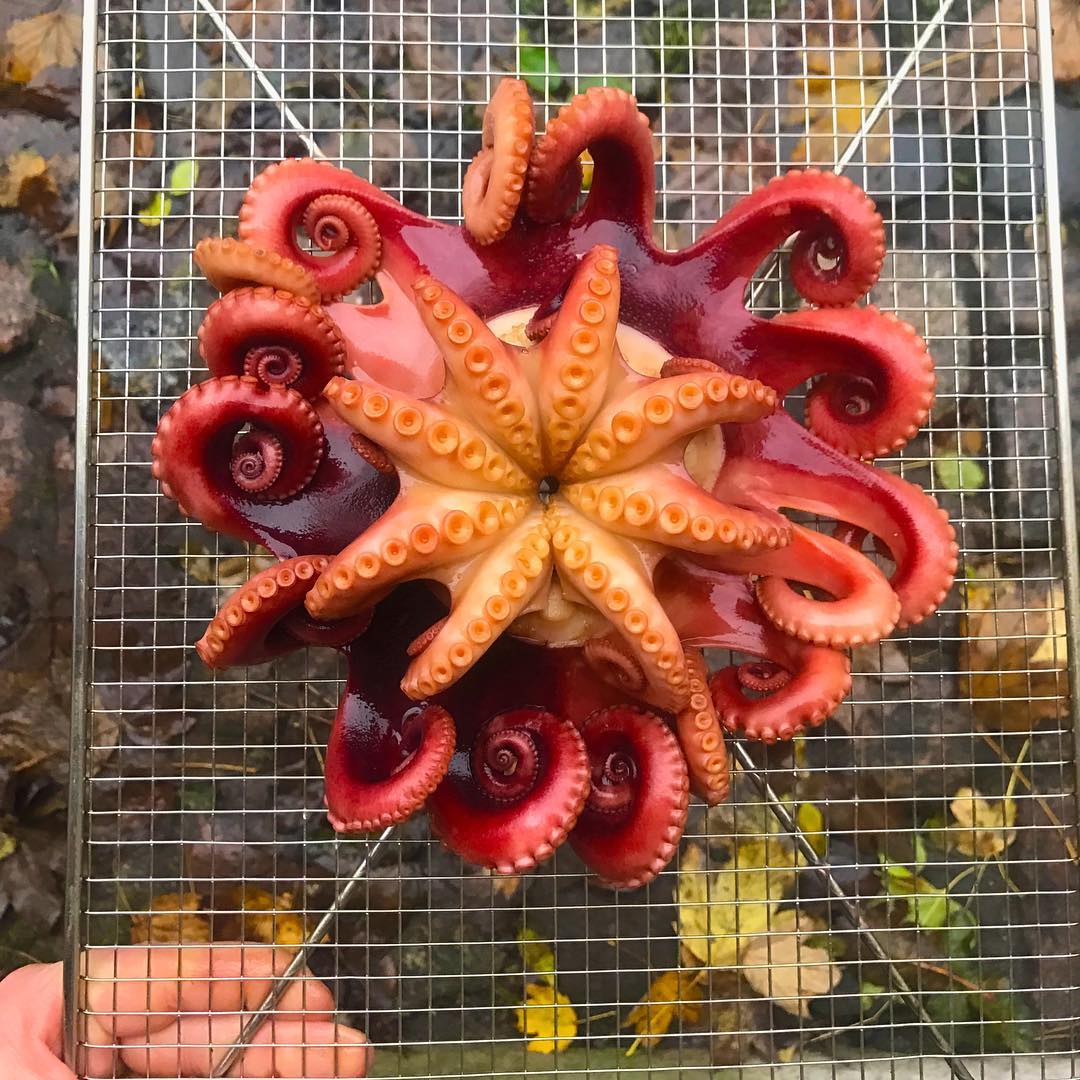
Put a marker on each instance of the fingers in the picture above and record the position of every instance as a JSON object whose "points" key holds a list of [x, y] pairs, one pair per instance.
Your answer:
{"points": [[131, 993], [194, 1045]]}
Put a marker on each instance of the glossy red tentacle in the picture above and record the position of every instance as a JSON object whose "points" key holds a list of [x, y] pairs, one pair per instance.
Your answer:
{"points": [[637, 803]]}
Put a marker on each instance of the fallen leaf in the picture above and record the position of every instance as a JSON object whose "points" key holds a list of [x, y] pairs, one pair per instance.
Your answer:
{"points": [[959, 473], [8, 844], [536, 954], [155, 211], [505, 885], [547, 1018], [983, 828], [183, 177], [173, 918], [784, 966], [266, 917], [868, 993], [26, 184], [52, 39], [720, 910], [844, 79], [144, 141], [537, 65], [1015, 650], [674, 994]]}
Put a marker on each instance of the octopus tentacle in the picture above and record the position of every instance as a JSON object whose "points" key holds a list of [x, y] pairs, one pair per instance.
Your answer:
{"points": [[615, 664], [876, 384], [577, 354], [610, 574], [376, 778], [280, 339], [438, 444], [783, 465], [863, 608], [504, 581], [495, 180], [487, 376], [636, 808], [701, 737], [762, 676], [606, 122], [193, 451], [657, 504], [326, 202], [837, 255], [719, 611], [511, 796], [641, 425], [265, 618], [426, 528], [228, 263]]}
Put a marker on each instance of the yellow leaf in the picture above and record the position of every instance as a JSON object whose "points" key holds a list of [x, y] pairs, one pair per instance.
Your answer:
{"points": [[719, 911], [173, 918], [782, 966], [982, 828], [1015, 650], [673, 994], [812, 823], [155, 211], [44, 41], [547, 1018], [537, 954], [25, 181], [267, 918]]}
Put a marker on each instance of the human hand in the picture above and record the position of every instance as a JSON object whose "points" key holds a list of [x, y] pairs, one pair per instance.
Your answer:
{"points": [[167, 1011]]}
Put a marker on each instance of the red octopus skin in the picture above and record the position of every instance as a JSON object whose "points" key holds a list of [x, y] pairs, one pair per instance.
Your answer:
{"points": [[301, 484]]}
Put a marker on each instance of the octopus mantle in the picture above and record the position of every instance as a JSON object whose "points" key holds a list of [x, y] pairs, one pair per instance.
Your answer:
{"points": [[526, 489]]}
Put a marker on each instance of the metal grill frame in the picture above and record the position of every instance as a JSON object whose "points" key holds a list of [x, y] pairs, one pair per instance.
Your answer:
{"points": [[354, 857]]}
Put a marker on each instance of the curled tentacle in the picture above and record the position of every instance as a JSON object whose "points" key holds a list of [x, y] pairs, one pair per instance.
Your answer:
{"points": [[279, 339], [607, 123], [495, 180], [378, 774], [511, 796], [615, 664], [228, 263], [193, 452], [637, 803], [876, 384], [762, 676], [780, 464], [701, 737], [265, 618], [719, 611], [256, 462], [326, 203], [839, 249], [863, 607]]}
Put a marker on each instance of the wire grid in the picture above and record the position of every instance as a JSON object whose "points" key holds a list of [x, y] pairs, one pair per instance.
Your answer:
{"points": [[197, 787]]}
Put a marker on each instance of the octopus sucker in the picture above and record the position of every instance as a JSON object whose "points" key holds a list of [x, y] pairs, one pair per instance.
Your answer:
{"points": [[228, 263], [634, 815], [524, 491], [701, 735], [495, 180], [505, 580]]}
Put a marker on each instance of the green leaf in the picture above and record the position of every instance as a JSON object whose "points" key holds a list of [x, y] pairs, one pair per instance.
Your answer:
{"points": [[961, 931], [537, 65], [619, 82], [959, 473], [183, 177], [536, 954], [919, 847], [867, 992], [930, 910], [155, 211]]}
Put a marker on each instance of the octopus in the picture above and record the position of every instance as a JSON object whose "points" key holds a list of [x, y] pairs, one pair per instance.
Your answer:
{"points": [[529, 487]]}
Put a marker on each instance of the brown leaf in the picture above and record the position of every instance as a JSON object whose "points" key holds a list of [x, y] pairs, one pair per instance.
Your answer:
{"points": [[173, 919], [781, 965], [670, 995], [25, 183], [145, 141], [982, 829], [52, 39], [1015, 650]]}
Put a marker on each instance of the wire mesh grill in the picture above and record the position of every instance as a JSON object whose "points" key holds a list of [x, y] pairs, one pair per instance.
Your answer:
{"points": [[834, 911]]}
